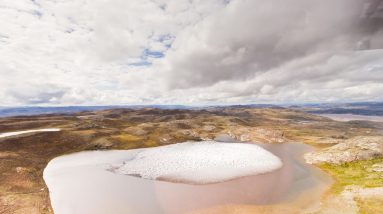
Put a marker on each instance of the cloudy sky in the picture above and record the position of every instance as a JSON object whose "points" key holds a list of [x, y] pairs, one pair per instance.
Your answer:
{"points": [[97, 52]]}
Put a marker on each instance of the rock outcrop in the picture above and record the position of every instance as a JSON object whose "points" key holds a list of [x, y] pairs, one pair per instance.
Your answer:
{"points": [[357, 148], [102, 143], [254, 134]]}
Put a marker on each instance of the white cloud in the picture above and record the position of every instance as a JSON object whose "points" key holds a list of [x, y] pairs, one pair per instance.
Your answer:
{"points": [[180, 51]]}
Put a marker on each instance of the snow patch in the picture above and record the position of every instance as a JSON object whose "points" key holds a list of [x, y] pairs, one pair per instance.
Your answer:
{"points": [[10, 134]]}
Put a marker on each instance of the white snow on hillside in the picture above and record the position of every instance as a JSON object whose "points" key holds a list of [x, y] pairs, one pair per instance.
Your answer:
{"points": [[10, 134]]}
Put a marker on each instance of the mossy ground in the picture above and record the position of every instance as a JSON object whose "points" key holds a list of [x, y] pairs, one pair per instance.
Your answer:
{"points": [[354, 173], [358, 173]]}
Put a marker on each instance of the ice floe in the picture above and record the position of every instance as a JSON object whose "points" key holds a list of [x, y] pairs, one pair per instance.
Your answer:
{"points": [[200, 162]]}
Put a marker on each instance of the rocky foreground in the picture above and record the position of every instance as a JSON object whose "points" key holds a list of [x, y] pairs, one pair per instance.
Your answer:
{"points": [[356, 164], [354, 149]]}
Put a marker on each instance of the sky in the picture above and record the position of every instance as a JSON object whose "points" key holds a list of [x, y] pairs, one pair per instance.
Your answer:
{"points": [[117, 52]]}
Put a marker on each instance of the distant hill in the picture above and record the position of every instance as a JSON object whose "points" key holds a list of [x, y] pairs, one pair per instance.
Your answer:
{"points": [[30, 110], [361, 108], [23, 111]]}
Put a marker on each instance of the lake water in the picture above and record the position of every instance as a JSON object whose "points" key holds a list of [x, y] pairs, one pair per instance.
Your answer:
{"points": [[93, 189], [350, 117]]}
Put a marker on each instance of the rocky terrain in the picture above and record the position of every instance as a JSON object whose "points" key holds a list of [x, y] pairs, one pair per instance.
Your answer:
{"points": [[348, 150], [356, 164], [23, 158]]}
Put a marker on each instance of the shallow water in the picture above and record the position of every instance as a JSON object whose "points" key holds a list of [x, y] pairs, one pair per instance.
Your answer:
{"points": [[88, 188]]}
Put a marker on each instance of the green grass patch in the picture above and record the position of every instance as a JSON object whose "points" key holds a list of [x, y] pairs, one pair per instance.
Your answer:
{"points": [[354, 173]]}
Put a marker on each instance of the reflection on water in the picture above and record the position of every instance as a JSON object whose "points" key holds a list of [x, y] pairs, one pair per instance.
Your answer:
{"points": [[97, 191]]}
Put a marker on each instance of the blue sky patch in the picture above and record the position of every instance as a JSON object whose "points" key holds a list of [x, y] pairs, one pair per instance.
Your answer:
{"points": [[152, 54]]}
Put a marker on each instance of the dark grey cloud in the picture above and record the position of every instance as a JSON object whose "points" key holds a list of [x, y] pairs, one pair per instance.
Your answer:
{"points": [[250, 38]]}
